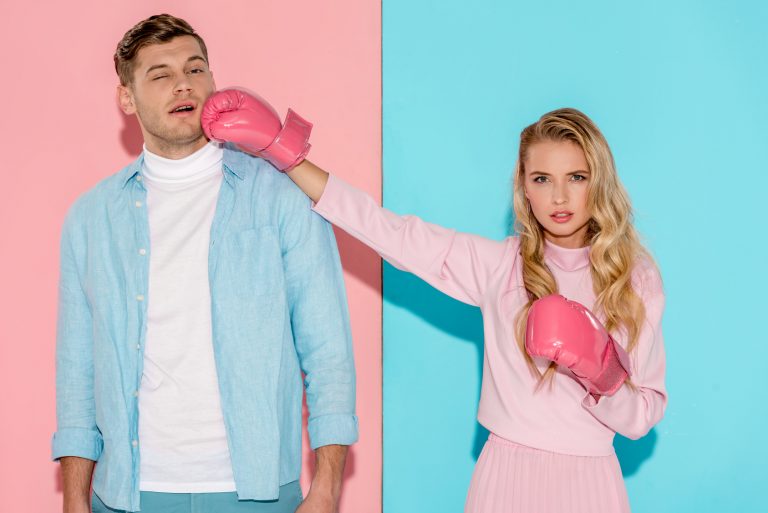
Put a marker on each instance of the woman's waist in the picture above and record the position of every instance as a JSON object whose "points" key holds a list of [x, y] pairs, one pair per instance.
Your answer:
{"points": [[556, 423]]}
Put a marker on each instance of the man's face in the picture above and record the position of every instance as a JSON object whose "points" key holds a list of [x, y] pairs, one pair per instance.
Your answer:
{"points": [[170, 83]]}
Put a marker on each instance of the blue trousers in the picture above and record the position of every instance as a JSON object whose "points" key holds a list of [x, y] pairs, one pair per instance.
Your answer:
{"points": [[156, 502]]}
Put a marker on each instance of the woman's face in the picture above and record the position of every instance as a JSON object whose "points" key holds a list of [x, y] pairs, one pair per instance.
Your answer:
{"points": [[556, 183]]}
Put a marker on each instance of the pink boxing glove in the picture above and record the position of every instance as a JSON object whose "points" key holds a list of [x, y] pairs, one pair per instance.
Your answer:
{"points": [[570, 335], [252, 124]]}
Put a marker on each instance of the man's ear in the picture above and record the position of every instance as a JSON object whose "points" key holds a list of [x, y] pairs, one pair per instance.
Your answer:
{"points": [[125, 100]]}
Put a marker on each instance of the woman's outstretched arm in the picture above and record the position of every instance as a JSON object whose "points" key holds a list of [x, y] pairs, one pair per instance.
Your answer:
{"points": [[310, 179], [460, 265]]}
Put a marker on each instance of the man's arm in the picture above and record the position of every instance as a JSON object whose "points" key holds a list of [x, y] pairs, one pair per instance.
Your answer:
{"points": [[325, 491], [76, 475], [77, 442], [320, 324]]}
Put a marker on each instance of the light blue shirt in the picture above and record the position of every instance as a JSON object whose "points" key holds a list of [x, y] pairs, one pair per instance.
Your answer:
{"points": [[278, 309]]}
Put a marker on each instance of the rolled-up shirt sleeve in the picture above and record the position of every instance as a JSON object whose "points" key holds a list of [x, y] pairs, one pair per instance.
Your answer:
{"points": [[633, 410], [76, 432], [320, 322], [457, 264]]}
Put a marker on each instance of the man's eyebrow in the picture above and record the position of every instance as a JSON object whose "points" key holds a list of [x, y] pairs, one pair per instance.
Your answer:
{"points": [[156, 66], [160, 66]]}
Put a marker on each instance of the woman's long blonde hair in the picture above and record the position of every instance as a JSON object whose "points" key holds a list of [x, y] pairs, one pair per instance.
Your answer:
{"points": [[615, 247]]}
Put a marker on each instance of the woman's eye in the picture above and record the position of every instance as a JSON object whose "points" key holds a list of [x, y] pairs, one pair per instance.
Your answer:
{"points": [[540, 179], [578, 178]]}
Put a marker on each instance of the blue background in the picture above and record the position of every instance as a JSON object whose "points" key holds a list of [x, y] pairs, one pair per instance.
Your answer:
{"points": [[679, 90]]}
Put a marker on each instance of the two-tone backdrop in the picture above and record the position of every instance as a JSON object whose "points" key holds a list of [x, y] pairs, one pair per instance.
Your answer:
{"points": [[421, 102]]}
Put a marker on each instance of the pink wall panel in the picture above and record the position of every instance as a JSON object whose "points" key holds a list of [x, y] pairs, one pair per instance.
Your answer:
{"points": [[61, 132]]}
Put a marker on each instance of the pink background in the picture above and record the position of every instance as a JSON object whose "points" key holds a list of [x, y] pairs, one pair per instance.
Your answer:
{"points": [[62, 132]]}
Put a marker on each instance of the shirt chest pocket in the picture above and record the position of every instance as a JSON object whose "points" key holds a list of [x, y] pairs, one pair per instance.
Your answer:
{"points": [[250, 264]]}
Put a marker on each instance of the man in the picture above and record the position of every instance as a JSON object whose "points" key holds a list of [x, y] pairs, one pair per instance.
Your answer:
{"points": [[196, 285]]}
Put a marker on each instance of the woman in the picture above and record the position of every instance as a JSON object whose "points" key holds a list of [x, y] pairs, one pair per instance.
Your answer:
{"points": [[552, 419]]}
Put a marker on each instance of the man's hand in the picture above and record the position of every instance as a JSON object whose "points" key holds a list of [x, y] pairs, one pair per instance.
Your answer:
{"points": [[324, 494], [316, 503]]}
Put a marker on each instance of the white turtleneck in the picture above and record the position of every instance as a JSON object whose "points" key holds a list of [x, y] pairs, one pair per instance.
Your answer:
{"points": [[183, 443]]}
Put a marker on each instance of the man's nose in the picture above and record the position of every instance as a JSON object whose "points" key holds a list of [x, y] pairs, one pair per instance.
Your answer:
{"points": [[183, 84]]}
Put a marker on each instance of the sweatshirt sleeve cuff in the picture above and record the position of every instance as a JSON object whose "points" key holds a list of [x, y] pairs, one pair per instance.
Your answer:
{"points": [[84, 443], [605, 402], [333, 192], [335, 429]]}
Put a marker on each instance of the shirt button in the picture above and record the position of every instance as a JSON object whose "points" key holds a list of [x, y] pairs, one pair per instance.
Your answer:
{"points": [[138, 204], [138, 347], [134, 443], [138, 178], [142, 251], [135, 393], [139, 298]]}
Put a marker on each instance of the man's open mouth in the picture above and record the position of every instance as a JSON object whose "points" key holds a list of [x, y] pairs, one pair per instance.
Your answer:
{"points": [[186, 107]]}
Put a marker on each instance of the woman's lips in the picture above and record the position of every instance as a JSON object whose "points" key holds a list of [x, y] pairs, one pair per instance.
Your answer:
{"points": [[561, 217]]}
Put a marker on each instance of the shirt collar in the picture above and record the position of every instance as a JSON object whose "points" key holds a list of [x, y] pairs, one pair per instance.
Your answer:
{"points": [[234, 161], [131, 170]]}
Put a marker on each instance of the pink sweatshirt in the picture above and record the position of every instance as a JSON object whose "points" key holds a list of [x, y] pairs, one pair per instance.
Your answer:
{"points": [[488, 274]]}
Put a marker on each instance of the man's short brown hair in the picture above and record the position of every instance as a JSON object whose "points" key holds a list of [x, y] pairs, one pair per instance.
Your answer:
{"points": [[157, 29]]}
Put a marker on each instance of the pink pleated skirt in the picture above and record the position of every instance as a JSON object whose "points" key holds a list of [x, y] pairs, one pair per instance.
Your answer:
{"points": [[512, 478]]}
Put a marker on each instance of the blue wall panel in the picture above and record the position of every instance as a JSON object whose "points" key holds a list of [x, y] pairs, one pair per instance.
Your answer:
{"points": [[679, 89]]}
